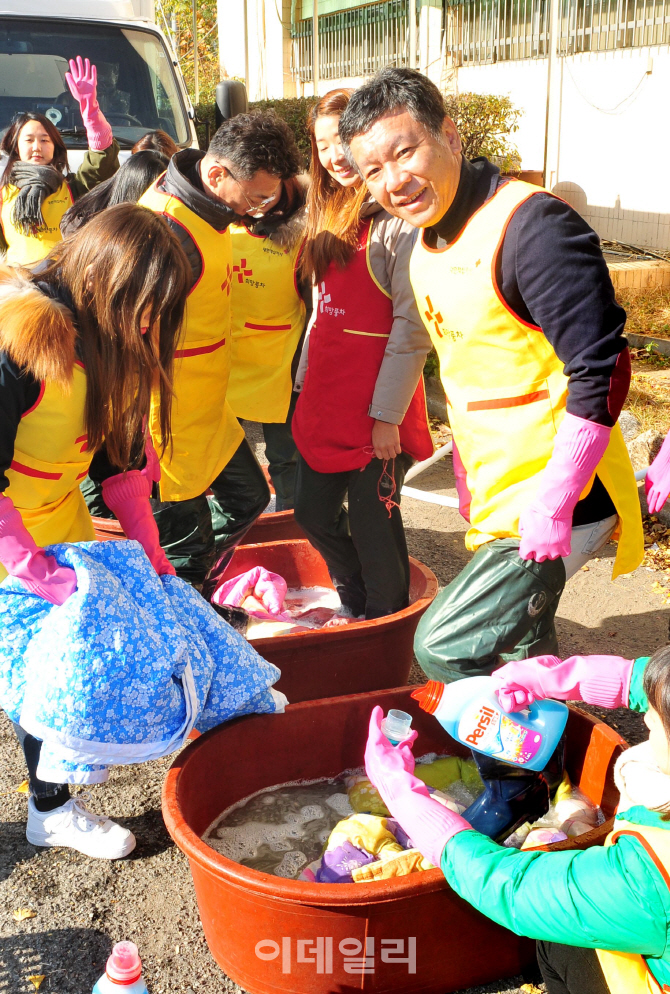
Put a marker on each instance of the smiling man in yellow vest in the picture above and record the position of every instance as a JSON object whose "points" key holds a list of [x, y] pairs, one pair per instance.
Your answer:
{"points": [[200, 195], [515, 293]]}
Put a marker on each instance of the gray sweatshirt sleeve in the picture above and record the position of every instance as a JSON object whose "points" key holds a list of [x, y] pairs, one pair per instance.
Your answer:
{"points": [[391, 244]]}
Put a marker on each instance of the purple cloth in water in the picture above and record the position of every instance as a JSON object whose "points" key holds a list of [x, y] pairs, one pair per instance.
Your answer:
{"points": [[337, 864], [401, 835]]}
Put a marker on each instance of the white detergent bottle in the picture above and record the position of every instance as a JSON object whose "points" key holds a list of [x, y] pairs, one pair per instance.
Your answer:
{"points": [[470, 712], [123, 974]]}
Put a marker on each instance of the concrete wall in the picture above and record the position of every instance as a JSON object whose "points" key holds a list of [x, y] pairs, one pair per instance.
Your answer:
{"points": [[609, 138]]}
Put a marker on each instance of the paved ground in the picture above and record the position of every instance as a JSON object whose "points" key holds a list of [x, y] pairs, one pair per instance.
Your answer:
{"points": [[82, 906]]}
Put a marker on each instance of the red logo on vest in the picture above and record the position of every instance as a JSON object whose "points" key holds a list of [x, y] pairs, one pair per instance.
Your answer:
{"points": [[242, 271], [435, 318], [227, 283]]}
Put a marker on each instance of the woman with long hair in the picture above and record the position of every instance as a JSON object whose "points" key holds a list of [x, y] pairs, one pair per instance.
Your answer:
{"points": [[134, 177], [36, 187], [156, 141], [361, 419], [84, 344]]}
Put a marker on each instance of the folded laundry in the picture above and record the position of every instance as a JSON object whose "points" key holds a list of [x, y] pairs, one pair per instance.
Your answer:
{"points": [[125, 668]]}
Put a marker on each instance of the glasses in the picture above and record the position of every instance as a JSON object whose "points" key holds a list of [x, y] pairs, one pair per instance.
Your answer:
{"points": [[255, 210]]}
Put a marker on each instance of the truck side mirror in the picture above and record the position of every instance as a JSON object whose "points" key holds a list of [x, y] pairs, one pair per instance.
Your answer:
{"points": [[231, 99]]}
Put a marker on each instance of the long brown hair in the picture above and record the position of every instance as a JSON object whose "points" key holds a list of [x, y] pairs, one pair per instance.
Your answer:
{"points": [[156, 141], [123, 262], [10, 144], [333, 211]]}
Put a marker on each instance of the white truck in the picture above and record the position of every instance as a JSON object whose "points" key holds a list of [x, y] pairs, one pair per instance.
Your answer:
{"points": [[140, 86]]}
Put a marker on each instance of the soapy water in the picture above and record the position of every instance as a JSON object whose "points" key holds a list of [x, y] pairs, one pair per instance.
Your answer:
{"points": [[308, 607], [283, 828]]}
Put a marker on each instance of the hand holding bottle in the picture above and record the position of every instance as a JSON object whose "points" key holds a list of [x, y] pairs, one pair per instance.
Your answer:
{"points": [[602, 680]]}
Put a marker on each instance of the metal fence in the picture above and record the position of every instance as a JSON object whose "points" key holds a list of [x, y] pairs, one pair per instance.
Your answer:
{"points": [[481, 31], [360, 41], [354, 42], [606, 25]]}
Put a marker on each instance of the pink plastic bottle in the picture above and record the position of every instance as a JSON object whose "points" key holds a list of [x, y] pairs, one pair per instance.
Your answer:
{"points": [[123, 972]]}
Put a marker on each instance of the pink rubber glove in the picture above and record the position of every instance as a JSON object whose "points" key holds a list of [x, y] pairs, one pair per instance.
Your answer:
{"points": [[545, 525], [82, 80], [427, 822], [127, 495], [24, 559], [268, 588], [603, 680], [657, 480], [464, 495]]}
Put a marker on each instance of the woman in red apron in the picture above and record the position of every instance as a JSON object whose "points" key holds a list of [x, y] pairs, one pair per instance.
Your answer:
{"points": [[361, 419]]}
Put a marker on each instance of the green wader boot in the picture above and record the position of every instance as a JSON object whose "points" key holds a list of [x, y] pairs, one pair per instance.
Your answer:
{"points": [[499, 608]]}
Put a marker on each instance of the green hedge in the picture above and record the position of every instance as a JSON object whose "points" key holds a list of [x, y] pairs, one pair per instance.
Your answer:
{"points": [[294, 111], [485, 123]]}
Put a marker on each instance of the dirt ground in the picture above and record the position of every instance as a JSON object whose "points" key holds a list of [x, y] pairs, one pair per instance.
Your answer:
{"points": [[82, 906]]}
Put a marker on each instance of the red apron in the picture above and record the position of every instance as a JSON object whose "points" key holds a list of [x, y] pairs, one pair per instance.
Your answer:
{"points": [[331, 425]]}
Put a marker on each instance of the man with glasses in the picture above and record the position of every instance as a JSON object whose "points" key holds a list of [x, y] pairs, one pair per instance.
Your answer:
{"points": [[201, 193]]}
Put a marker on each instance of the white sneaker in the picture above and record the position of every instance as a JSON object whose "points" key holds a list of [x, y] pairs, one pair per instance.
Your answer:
{"points": [[74, 826]]}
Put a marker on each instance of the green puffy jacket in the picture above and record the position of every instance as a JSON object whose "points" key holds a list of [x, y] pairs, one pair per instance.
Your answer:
{"points": [[601, 898]]}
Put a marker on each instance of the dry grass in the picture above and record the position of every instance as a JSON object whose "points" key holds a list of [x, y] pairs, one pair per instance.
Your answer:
{"points": [[649, 399], [648, 310]]}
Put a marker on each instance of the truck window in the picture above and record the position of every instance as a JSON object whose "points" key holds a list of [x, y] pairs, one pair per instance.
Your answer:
{"points": [[137, 88]]}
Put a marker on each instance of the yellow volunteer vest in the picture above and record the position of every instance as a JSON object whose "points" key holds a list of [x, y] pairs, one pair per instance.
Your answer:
{"points": [[505, 385], [627, 973], [50, 461], [24, 250], [268, 317], [205, 432]]}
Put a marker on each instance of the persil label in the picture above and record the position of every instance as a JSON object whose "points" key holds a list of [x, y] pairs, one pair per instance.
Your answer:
{"points": [[496, 734]]}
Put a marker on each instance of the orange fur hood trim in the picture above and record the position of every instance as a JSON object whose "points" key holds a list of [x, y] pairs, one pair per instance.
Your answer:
{"points": [[36, 332]]}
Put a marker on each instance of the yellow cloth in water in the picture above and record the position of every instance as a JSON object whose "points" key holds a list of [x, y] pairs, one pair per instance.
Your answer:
{"points": [[564, 789], [446, 770], [365, 832], [392, 865], [439, 774]]}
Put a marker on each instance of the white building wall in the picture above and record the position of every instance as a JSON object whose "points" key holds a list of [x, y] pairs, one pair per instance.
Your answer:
{"points": [[610, 137], [526, 84]]}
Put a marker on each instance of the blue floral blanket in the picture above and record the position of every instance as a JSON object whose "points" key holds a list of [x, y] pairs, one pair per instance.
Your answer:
{"points": [[125, 669]]}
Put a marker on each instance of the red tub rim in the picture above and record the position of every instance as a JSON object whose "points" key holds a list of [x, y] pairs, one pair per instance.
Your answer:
{"points": [[317, 894]]}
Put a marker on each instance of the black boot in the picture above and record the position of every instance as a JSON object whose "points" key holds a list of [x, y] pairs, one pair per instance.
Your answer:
{"points": [[352, 593], [511, 796]]}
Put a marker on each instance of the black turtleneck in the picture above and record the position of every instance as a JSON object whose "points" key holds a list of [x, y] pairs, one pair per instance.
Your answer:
{"points": [[552, 274], [479, 181]]}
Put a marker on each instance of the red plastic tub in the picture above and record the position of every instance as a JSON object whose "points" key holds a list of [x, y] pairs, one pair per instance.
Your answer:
{"points": [[107, 529], [267, 528], [366, 655], [276, 527], [276, 936]]}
